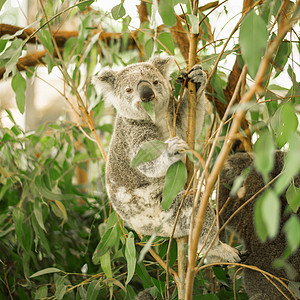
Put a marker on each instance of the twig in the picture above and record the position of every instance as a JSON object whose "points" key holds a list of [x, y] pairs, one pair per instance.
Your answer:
{"points": [[7, 285], [254, 268]]}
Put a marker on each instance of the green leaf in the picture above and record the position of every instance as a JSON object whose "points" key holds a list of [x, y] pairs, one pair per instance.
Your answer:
{"points": [[282, 56], [130, 255], [166, 42], [221, 275], [194, 22], [292, 165], [149, 108], [85, 4], [45, 192], [284, 123], [295, 288], [45, 271], [175, 181], [18, 218], [11, 55], [166, 11], [253, 41], [37, 209], [18, 84], [260, 226], [3, 43], [118, 11], [293, 197], [2, 3], [69, 48], [294, 91], [105, 262], [271, 212], [148, 152], [264, 154], [292, 232], [41, 293], [93, 290], [142, 272], [149, 46], [46, 40], [61, 288], [40, 235], [82, 292], [107, 241], [238, 181], [218, 84]]}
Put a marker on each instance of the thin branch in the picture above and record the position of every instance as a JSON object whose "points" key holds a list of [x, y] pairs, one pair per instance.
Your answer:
{"points": [[254, 268]]}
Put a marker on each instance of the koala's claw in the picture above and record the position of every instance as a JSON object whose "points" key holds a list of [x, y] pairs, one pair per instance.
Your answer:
{"points": [[176, 145], [195, 75], [182, 77]]}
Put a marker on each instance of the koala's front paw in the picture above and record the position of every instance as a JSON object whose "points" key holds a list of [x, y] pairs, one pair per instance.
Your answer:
{"points": [[198, 76], [195, 75], [176, 146]]}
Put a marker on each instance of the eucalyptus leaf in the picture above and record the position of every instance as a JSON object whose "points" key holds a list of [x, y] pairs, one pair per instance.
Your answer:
{"points": [[45, 271], [105, 262], [166, 42], [149, 108], [93, 290], [292, 165], [284, 123], [238, 182], [118, 11], [107, 241], [61, 289], [38, 213], [293, 197], [253, 41], [130, 255], [292, 232], [18, 84], [270, 210], [174, 182], [264, 154], [166, 11], [295, 288], [148, 152], [260, 226], [194, 22], [41, 293]]}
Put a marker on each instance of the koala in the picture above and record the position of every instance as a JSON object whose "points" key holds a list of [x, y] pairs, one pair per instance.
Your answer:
{"points": [[260, 254], [136, 193]]}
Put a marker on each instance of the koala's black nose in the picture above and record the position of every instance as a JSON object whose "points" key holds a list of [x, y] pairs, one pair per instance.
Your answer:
{"points": [[145, 91]]}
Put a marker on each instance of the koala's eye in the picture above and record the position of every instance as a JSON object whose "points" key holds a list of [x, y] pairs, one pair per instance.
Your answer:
{"points": [[129, 90], [155, 82]]}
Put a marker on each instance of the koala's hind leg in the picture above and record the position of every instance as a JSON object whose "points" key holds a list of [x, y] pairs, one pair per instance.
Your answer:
{"points": [[219, 252]]}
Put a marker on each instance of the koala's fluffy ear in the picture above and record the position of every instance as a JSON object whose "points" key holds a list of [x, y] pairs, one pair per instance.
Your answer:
{"points": [[162, 64], [104, 82]]}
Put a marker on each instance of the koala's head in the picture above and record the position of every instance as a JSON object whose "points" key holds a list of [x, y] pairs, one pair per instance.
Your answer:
{"points": [[141, 82]]}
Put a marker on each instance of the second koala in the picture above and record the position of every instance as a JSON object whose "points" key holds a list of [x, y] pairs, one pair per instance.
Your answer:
{"points": [[136, 193]]}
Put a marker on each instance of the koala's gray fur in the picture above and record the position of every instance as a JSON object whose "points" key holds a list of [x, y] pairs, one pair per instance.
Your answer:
{"points": [[136, 193], [261, 255]]}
